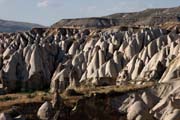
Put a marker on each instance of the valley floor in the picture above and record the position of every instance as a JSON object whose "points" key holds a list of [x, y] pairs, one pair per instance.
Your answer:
{"points": [[27, 104]]}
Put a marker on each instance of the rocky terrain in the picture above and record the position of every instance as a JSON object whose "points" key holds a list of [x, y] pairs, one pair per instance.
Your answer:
{"points": [[13, 26], [149, 17], [114, 73]]}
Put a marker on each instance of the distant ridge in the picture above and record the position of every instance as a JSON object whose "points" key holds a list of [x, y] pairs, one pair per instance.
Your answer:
{"points": [[150, 17], [14, 26]]}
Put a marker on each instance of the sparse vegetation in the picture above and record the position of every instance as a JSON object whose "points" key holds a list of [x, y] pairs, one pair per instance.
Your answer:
{"points": [[72, 92], [31, 95], [71, 96], [7, 98], [81, 92], [109, 89]]}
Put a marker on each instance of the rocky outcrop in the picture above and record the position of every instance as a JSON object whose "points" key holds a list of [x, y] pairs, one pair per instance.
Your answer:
{"points": [[68, 58], [45, 111], [139, 111], [5, 116], [38, 58]]}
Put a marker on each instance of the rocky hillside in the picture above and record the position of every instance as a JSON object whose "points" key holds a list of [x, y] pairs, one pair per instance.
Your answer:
{"points": [[86, 22], [64, 59], [40, 57], [149, 17], [12, 26]]}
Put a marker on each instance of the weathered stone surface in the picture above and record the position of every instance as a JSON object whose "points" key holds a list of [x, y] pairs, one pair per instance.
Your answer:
{"points": [[138, 108], [45, 111], [30, 59], [5, 116], [62, 58]]}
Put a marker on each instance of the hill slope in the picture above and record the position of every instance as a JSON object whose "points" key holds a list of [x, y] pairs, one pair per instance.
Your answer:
{"points": [[151, 17], [13, 26]]}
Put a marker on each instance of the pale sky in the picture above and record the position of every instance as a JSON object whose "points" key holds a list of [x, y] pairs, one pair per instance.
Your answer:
{"points": [[47, 12]]}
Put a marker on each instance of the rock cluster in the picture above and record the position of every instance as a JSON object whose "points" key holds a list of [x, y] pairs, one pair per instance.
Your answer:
{"points": [[147, 105], [140, 105], [67, 58], [38, 58], [54, 110]]}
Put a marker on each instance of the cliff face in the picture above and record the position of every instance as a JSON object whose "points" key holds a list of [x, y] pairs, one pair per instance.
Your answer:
{"points": [[86, 22], [149, 17]]}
